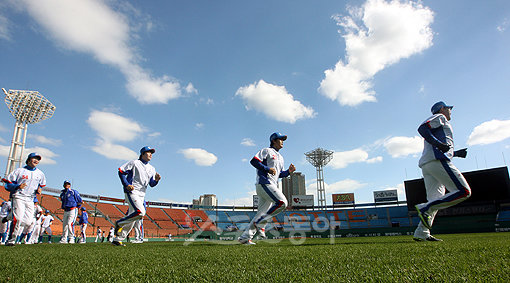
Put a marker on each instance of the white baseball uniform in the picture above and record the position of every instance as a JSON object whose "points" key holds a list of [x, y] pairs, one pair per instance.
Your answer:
{"points": [[439, 173], [23, 199], [139, 174], [271, 199]]}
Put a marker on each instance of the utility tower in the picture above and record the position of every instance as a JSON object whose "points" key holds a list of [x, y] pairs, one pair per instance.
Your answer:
{"points": [[319, 158], [27, 107]]}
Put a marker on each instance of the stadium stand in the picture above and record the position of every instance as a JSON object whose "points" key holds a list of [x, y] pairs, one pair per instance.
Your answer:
{"points": [[4, 195], [201, 220]]}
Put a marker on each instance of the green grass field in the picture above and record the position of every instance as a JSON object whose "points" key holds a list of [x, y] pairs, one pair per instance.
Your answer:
{"points": [[460, 258]]}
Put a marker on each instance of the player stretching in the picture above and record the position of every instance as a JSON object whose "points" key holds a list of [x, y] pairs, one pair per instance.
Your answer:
{"points": [[269, 165], [23, 183], [135, 176], [71, 201], [438, 170]]}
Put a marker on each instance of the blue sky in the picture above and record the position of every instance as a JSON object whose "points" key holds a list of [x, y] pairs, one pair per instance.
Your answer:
{"points": [[207, 82]]}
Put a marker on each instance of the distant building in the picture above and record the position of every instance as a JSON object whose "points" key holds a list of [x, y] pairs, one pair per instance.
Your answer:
{"points": [[293, 185], [206, 200]]}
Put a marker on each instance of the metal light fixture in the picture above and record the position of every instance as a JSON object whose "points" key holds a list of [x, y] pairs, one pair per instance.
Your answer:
{"points": [[27, 107]]}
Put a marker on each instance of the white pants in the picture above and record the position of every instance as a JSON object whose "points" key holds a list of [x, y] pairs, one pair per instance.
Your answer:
{"points": [[84, 233], [271, 202], [68, 226], [139, 229], [136, 211], [22, 211], [439, 176], [98, 237], [35, 233]]}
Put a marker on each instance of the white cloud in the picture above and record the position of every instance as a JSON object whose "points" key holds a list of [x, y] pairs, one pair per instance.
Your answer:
{"points": [[4, 27], [248, 142], [344, 186], [274, 101], [45, 140], [112, 127], [377, 35], [502, 27], [190, 88], [199, 126], [247, 200], [403, 146], [344, 158], [108, 38], [46, 154], [200, 156], [490, 132], [114, 151]]}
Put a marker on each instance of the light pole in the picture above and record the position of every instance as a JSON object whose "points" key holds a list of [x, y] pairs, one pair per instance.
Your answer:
{"points": [[319, 158], [27, 107]]}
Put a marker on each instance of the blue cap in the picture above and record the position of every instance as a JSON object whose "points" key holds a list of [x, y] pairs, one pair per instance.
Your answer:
{"points": [[147, 148], [83, 208], [47, 211], [36, 200], [33, 155], [437, 107], [275, 136]]}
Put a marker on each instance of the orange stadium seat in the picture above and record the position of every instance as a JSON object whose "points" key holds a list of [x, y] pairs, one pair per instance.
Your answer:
{"points": [[4, 195], [157, 214], [201, 220]]}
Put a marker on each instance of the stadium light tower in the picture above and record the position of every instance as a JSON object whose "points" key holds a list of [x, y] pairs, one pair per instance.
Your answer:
{"points": [[319, 158], [27, 107]]}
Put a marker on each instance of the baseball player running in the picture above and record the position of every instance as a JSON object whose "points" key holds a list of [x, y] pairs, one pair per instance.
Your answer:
{"points": [[71, 201], [269, 164], [84, 221], [23, 183], [439, 173], [98, 234], [135, 176]]}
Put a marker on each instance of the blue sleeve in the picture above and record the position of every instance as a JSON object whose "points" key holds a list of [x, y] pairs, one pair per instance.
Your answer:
{"points": [[10, 186], [153, 182], [258, 164], [426, 133], [284, 174], [79, 201], [123, 178]]}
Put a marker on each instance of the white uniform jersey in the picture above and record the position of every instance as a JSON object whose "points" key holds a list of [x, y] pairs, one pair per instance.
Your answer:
{"points": [[271, 158], [33, 178], [46, 220], [442, 130], [5, 209], [38, 213], [139, 175]]}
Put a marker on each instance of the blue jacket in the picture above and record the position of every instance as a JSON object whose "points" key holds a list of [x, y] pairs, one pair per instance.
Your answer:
{"points": [[70, 199], [84, 218]]}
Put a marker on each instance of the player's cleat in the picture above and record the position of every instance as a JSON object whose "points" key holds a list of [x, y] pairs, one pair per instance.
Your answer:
{"points": [[424, 217], [117, 229], [262, 233], [4, 220], [428, 239], [118, 243], [62, 242], [9, 244], [246, 241], [137, 242]]}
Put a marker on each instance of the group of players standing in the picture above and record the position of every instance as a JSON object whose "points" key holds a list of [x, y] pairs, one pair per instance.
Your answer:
{"points": [[440, 176]]}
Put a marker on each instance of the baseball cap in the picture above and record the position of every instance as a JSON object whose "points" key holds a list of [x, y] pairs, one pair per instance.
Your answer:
{"points": [[33, 155], [83, 208], [275, 136], [67, 182], [437, 107], [147, 148], [36, 200], [47, 211]]}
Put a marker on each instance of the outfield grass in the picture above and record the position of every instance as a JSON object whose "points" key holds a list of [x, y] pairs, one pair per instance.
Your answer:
{"points": [[460, 258]]}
